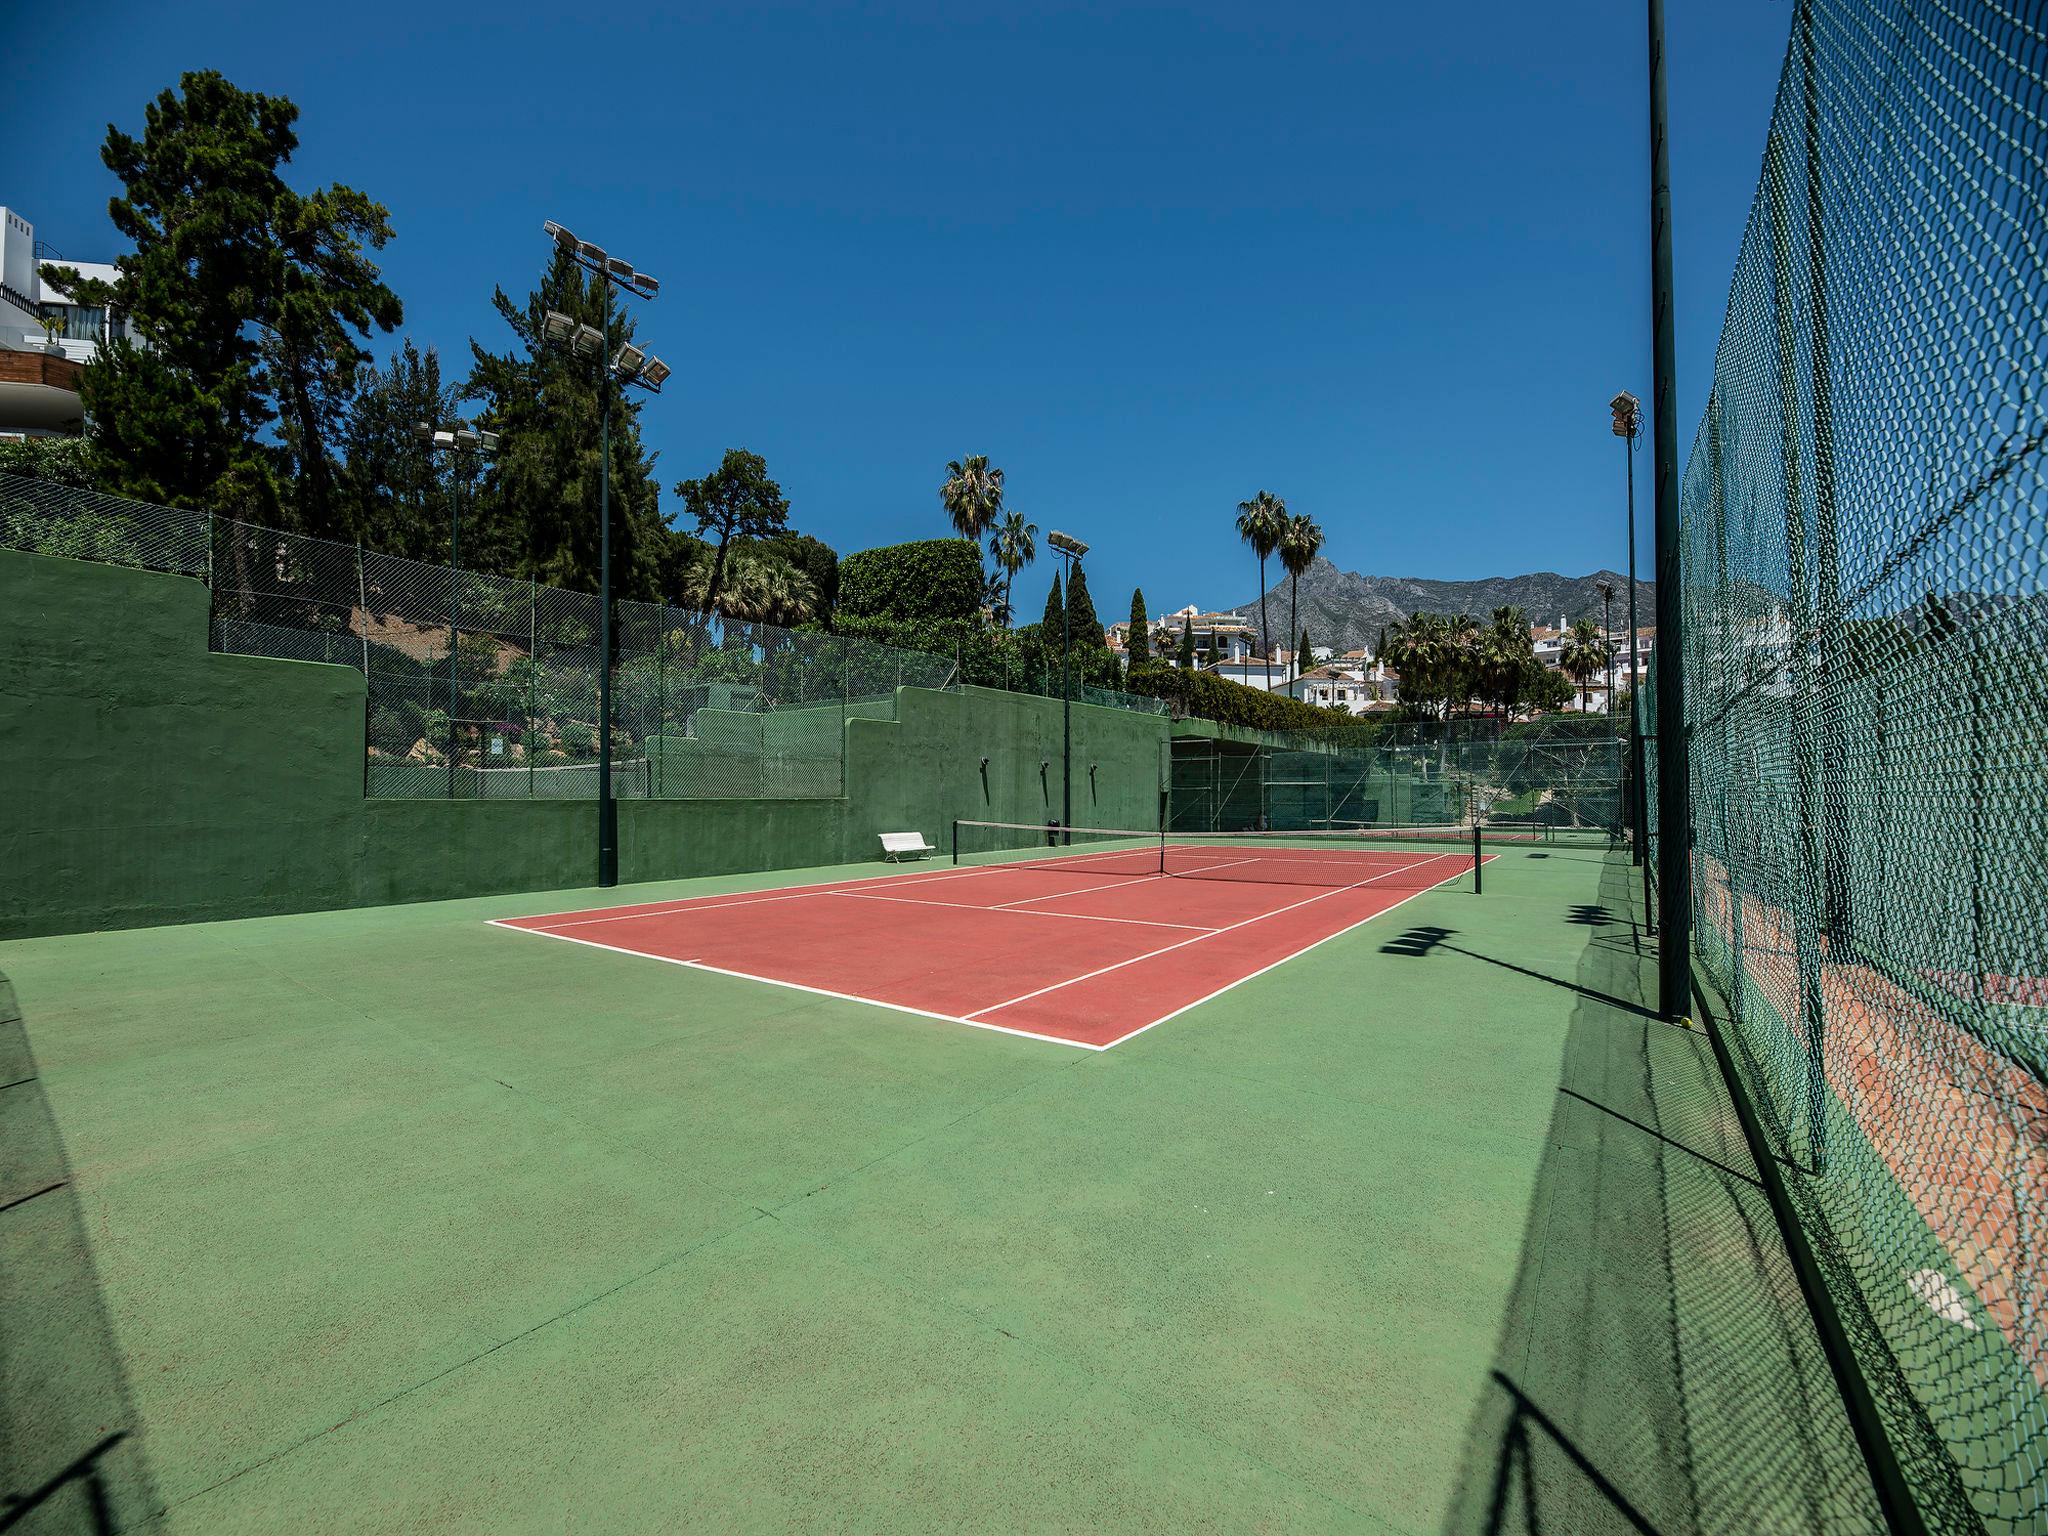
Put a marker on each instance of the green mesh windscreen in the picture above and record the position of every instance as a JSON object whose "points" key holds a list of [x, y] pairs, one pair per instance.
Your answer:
{"points": [[1865, 642], [1562, 771]]}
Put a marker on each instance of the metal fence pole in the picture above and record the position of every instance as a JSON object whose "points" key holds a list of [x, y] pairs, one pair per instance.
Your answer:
{"points": [[1674, 785], [533, 674]]}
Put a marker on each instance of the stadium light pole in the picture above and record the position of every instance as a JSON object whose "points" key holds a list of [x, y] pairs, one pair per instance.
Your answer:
{"points": [[1073, 549], [451, 440], [630, 365], [1628, 425]]}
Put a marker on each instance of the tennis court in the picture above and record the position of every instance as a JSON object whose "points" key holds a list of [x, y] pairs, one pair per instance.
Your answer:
{"points": [[1087, 936]]}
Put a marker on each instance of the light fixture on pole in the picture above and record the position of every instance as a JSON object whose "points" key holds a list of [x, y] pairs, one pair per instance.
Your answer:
{"points": [[463, 439], [633, 366], [1073, 549], [1628, 425]]}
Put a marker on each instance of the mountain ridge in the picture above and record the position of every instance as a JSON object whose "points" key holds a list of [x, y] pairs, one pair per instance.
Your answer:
{"points": [[1346, 609]]}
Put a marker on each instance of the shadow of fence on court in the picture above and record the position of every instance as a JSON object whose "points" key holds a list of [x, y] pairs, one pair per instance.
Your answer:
{"points": [[1657, 1370], [70, 1450]]}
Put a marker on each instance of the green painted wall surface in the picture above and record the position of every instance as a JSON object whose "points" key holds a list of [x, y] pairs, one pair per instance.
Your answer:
{"points": [[146, 780]]}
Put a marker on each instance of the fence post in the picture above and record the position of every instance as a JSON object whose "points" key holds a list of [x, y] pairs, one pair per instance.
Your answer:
{"points": [[660, 694], [532, 672]]}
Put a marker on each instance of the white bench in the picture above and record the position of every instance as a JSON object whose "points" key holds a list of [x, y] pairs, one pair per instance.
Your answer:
{"points": [[902, 845]]}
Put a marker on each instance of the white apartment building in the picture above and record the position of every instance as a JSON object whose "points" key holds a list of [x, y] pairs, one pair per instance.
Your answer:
{"points": [[45, 338]]}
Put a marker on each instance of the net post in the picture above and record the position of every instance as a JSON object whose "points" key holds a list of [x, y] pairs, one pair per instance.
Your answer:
{"points": [[956, 839], [1478, 862]]}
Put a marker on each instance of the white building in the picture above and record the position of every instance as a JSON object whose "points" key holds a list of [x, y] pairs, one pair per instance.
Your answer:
{"points": [[1333, 687], [45, 338]]}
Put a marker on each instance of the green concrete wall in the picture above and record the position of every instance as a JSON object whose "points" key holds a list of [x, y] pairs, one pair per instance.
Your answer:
{"points": [[146, 780]]}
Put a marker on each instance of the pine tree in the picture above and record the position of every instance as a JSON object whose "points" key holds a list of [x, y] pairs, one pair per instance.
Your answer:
{"points": [[1055, 613], [1081, 609], [1187, 644], [248, 298], [536, 513], [1141, 628]]}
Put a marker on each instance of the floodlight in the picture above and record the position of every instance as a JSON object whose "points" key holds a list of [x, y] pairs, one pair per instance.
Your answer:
{"points": [[488, 441], [1066, 546], [444, 439], [629, 360], [556, 326], [622, 270], [654, 372], [559, 235], [1627, 414], [647, 285], [464, 437], [589, 340], [591, 253], [423, 432]]}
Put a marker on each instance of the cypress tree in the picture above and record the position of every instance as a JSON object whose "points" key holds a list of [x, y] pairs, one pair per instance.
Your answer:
{"points": [[1187, 644], [1141, 628], [1304, 657], [1055, 613], [1081, 607]]}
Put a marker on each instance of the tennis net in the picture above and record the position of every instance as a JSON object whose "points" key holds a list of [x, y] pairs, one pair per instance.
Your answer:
{"points": [[1404, 858]]}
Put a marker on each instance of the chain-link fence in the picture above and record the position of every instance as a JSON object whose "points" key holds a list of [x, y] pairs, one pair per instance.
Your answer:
{"points": [[1865, 641], [484, 687], [1562, 773]]}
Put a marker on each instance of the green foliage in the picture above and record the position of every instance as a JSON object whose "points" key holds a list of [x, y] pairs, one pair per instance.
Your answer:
{"points": [[737, 500], [1304, 654], [972, 495], [394, 495], [930, 579], [536, 511], [1187, 644], [815, 559], [83, 535], [1544, 688], [1055, 608], [1214, 698], [249, 297], [1014, 547], [64, 460], [1081, 609], [1141, 629]]}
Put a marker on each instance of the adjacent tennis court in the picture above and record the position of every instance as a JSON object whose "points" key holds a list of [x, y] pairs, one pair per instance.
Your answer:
{"points": [[1083, 936]]}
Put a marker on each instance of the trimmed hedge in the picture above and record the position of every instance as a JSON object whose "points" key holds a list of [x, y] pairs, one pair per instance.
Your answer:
{"points": [[931, 579], [1215, 698]]}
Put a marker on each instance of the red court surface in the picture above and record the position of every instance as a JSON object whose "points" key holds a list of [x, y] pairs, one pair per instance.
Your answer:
{"points": [[1078, 949]]}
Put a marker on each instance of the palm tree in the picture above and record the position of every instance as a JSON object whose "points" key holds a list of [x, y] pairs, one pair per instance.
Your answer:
{"points": [[1301, 540], [972, 495], [1014, 547], [1606, 591], [1260, 522], [1581, 656], [1413, 647], [1504, 650]]}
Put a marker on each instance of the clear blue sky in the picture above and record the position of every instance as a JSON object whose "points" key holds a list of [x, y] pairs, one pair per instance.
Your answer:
{"points": [[1389, 262]]}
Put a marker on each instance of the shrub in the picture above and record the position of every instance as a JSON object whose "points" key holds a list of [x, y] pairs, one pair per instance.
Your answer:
{"points": [[932, 579], [1228, 703]]}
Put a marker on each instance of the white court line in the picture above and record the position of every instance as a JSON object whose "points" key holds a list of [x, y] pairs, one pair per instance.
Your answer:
{"points": [[1107, 885], [1373, 917], [1073, 917], [1198, 938], [797, 986]]}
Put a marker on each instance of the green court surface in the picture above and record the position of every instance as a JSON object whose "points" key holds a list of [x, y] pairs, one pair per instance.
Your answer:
{"points": [[388, 1219]]}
